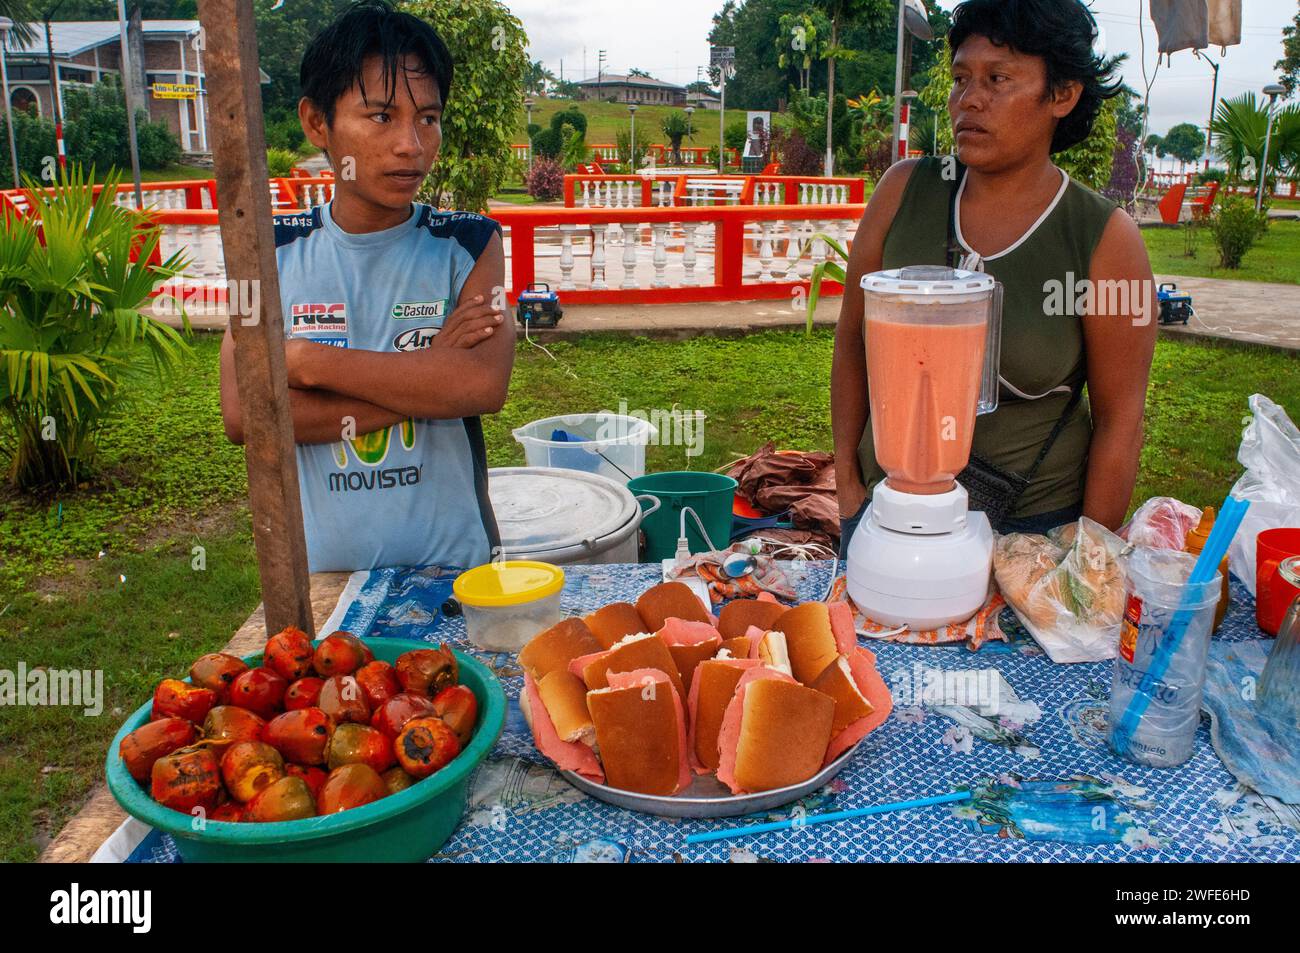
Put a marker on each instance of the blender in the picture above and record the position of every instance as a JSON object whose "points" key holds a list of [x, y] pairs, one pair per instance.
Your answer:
{"points": [[919, 558]]}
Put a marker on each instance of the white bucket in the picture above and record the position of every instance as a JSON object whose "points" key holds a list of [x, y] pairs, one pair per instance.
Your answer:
{"points": [[564, 516], [613, 445]]}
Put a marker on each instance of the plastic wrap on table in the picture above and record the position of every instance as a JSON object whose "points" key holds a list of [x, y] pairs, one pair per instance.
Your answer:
{"points": [[1270, 452], [1162, 522]]}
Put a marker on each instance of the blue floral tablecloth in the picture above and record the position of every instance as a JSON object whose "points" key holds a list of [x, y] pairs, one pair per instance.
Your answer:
{"points": [[1047, 789]]}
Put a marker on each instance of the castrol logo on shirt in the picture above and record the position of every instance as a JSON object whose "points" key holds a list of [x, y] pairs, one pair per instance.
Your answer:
{"points": [[319, 318]]}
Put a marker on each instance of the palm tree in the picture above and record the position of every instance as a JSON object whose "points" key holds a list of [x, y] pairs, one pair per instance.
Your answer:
{"points": [[22, 12], [1239, 126], [536, 76]]}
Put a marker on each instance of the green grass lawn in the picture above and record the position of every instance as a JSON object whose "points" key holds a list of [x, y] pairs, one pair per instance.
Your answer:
{"points": [[1275, 257], [171, 482], [604, 120]]}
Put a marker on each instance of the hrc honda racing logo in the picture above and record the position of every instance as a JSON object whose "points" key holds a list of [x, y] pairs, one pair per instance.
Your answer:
{"points": [[319, 318]]}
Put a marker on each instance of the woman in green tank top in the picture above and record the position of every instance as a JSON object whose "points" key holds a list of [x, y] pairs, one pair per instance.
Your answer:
{"points": [[1078, 299]]}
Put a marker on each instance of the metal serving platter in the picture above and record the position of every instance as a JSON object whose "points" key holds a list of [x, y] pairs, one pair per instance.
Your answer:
{"points": [[707, 796]]}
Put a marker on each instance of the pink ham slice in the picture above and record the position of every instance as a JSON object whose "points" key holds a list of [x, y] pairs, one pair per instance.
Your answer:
{"points": [[638, 677], [579, 664], [846, 639], [755, 635], [729, 733], [693, 707], [684, 632], [567, 755], [862, 663]]}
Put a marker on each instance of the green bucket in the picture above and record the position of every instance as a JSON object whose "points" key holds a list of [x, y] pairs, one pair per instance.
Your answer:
{"points": [[404, 827], [709, 495]]}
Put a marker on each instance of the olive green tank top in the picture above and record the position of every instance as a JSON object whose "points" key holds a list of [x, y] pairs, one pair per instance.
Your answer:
{"points": [[1041, 351]]}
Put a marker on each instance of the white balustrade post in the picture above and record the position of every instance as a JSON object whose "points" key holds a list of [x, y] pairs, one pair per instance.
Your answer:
{"points": [[598, 255], [688, 253], [660, 231], [631, 239], [566, 257], [765, 252]]}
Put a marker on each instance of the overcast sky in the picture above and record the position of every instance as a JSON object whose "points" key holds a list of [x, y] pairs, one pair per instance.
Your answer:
{"points": [[669, 39]]}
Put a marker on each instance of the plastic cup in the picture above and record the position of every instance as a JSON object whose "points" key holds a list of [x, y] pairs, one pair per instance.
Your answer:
{"points": [[1156, 593], [1273, 594]]}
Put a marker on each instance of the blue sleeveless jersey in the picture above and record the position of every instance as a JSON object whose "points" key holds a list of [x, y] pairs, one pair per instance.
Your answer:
{"points": [[415, 493]]}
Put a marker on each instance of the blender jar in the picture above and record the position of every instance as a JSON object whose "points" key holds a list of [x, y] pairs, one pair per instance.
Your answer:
{"points": [[933, 339]]}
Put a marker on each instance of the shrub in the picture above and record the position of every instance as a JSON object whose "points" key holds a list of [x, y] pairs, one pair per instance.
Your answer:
{"points": [[76, 332], [280, 162], [794, 153], [157, 146], [1235, 226], [546, 180], [1210, 175], [547, 144], [95, 129], [35, 138], [284, 131]]}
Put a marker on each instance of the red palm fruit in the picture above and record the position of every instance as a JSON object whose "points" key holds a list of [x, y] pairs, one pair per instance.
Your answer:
{"points": [[230, 724], [425, 745], [248, 767], [288, 653], [392, 716], [315, 777], [300, 736], [379, 682], [176, 699], [142, 747], [458, 707], [288, 799], [349, 786], [260, 690], [186, 779], [303, 693], [360, 744], [395, 779], [427, 671], [231, 812], [343, 700], [216, 671], [341, 653]]}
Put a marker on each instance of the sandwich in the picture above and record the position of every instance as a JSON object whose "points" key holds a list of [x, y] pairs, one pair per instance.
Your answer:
{"points": [[641, 732], [772, 650], [689, 643], [615, 621], [774, 733], [565, 698], [556, 647], [712, 688], [670, 600], [810, 640], [575, 756], [643, 650], [862, 699], [739, 646], [739, 614]]}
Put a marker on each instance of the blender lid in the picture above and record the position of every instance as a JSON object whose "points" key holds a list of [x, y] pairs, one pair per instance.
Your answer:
{"points": [[928, 280]]}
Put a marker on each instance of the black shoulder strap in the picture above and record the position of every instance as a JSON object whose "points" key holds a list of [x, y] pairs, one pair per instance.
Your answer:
{"points": [[953, 254], [1076, 393]]}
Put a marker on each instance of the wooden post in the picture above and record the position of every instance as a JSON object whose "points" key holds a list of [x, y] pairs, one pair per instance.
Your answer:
{"points": [[248, 238]]}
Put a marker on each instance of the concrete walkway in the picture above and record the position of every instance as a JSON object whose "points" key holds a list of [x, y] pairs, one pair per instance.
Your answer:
{"points": [[1251, 312]]}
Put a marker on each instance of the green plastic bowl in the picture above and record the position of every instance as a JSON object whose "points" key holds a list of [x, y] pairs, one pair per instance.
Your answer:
{"points": [[408, 826]]}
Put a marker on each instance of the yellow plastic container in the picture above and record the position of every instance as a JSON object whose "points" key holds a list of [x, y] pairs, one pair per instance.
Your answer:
{"points": [[506, 603]]}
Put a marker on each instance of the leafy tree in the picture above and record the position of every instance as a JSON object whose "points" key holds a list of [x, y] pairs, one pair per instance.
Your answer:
{"points": [[96, 134], [283, 33], [1289, 64], [35, 138], [565, 89], [801, 42], [478, 124], [1184, 142], [638, 72]]}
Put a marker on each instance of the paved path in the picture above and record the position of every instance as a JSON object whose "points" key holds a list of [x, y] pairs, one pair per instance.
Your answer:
{"points": [[1252, 312]]}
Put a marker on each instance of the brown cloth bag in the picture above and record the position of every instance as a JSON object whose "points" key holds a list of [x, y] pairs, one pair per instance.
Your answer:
{"points": [[803, 483]]}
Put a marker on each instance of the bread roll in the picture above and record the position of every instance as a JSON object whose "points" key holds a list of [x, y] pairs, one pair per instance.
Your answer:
{"points": [[784, 731], [565, 698], [638, 736], [711, 691], [669, 600], [615, 621], [557, 646], [837, 682], [738, 615], [635, 651], [739, 647], [809, 639], [773, 651]]}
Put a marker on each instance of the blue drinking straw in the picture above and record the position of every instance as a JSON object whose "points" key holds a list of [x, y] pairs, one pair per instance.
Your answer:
{"points": [[1225, 527], [727, 833]]}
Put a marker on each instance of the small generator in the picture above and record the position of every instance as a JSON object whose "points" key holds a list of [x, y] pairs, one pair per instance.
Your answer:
{"points": [[538, 307], [1175, 308]]}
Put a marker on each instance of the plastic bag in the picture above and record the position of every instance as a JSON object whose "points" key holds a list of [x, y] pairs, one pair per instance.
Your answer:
{"points": [[1067, 588], [1161, 523], [1270, 452]]}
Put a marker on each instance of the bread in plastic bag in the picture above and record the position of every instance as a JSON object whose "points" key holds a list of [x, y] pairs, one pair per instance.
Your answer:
{"points": [[1067, 588], [1161, 523], [1270, 452]]}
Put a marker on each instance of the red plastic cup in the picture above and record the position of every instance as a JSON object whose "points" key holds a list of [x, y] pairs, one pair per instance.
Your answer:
{"points": [[1273, 594]]}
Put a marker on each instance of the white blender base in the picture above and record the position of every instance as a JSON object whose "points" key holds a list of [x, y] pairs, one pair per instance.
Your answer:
{"points": [[920, 581]]}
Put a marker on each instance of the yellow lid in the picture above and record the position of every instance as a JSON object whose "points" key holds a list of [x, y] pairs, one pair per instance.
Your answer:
{"points": [[509, 583]]}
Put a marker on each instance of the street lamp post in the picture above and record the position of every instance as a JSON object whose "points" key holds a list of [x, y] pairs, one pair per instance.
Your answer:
{"points": [[528, 105], [912, 22], [1214, 99], [631, 145], [1272, 91], [6, 25]]}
